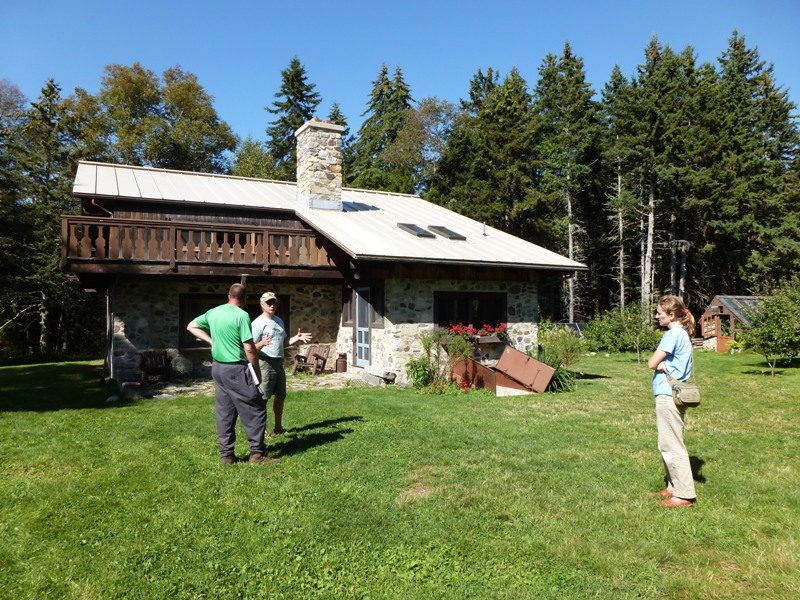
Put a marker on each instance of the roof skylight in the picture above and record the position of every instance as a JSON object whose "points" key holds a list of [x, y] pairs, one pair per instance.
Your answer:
{"points": [[447, 233], [415, 230]]}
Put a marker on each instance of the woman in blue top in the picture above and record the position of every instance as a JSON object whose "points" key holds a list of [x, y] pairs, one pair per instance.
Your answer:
{"points": [[674, 357]]}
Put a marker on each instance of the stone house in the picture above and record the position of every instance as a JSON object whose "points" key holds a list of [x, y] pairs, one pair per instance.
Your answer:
{"points": [[364, 271]]}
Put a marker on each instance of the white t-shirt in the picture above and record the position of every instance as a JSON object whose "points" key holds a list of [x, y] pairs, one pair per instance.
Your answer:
{"points": [[274, 329]]}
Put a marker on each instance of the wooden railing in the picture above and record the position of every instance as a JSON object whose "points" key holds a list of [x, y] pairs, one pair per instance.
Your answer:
{"points": [[94, 239]]}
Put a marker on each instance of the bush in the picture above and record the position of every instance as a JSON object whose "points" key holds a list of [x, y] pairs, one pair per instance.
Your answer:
{"points": [[563, 344], [630, 330], [775, 331], [431, 371]]}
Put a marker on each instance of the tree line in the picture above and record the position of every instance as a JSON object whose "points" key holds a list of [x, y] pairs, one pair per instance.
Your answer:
{"points": [[681, 177]]}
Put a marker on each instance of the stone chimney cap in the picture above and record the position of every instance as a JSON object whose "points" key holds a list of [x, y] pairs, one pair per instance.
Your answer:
{"points": [[319, 124]]}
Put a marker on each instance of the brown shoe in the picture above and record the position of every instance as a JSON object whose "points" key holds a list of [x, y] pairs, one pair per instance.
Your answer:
{"points": [[257, 458], [664, 492], [675, 502]]}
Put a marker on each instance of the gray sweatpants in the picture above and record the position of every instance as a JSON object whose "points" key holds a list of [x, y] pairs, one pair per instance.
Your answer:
{"points": [[669, 419], [236, 394]]}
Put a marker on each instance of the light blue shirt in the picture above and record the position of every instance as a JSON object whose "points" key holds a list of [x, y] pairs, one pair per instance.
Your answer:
{"points": [[274, 328], [678, 346]]}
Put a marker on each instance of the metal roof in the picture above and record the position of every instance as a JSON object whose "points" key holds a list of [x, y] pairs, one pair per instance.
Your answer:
{"points": [[741, 307], [366, 228]]}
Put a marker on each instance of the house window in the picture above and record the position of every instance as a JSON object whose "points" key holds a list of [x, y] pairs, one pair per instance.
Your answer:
{"points": [[194, 305], [376, 306], [469, 308]]}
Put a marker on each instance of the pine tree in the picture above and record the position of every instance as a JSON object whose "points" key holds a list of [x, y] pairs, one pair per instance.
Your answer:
{"points": [[486, 168], [295, 104], [621, 201], [46, 172], [386, 114], [567, 154], [758, 142]]}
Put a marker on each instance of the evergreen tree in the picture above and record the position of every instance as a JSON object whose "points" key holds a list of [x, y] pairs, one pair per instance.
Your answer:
{"points": [[567, 155], [40, 299], [486, 168], [386, 114], [295, 104], [757, 144], [621, 200], [12, 250]]}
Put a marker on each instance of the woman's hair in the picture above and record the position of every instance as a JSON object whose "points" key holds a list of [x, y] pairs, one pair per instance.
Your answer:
{"points": [[672, 305]]}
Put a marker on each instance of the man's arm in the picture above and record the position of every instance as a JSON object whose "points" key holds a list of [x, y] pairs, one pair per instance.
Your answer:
{"points": [[252, 357], [199, 333]]}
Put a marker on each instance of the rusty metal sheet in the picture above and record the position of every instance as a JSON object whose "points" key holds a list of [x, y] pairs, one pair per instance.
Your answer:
{"points": [[532, 373]]}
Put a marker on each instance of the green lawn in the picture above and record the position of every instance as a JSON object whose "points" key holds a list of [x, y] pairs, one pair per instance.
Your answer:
{"points": [[386, 493]]}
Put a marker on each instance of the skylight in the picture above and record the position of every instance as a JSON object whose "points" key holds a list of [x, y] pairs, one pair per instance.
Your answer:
{"points": [[415, 230], [447, 233]]}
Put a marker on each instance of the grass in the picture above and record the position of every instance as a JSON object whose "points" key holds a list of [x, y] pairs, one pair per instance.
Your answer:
{"points": [[386, 493]]}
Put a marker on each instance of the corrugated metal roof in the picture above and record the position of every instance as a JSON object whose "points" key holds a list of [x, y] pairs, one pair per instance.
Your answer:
{"points": [[366, 228], [741, 307]]}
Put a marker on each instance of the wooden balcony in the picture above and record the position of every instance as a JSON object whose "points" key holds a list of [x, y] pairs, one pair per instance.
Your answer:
{"points": [[96, 245]]}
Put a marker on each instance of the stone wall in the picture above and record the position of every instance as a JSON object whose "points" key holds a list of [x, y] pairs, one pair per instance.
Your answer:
{"points": [[146, 315], [409, 312]]}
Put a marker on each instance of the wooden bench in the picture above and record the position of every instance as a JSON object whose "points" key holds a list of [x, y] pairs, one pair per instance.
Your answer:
{"points": [[155, 362], [313, 360]]}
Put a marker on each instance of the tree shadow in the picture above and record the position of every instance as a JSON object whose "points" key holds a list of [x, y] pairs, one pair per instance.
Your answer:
{"points": [[55, 386]]}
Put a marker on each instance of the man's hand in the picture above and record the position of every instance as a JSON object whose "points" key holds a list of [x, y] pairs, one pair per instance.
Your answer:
{"points": [[303, 337]]}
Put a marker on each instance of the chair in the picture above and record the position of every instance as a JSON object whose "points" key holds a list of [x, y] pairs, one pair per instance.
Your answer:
{"points": [[155, 362], [314, 359]]}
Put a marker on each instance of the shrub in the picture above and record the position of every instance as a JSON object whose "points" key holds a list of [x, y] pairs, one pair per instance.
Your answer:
{"points": [[775, 331], [630, 330], [440, 351], [563, 344]]}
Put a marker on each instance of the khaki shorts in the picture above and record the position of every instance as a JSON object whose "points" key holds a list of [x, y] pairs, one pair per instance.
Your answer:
{"points": [[273, 377]]}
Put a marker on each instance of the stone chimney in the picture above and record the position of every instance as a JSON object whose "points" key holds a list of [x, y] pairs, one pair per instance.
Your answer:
{"points": [[319, 165]]}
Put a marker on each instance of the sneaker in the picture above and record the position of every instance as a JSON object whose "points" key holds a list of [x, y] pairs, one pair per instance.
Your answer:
{"points": [[228, 460], [257, 458]]}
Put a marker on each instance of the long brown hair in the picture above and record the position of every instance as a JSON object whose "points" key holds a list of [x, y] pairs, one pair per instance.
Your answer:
{"points": [[672, 305]]}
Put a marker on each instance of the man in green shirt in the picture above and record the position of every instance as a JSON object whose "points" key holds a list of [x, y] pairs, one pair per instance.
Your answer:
{"points": [[236, 376]]}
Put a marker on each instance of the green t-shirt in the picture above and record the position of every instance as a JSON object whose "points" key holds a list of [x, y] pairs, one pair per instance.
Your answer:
{"points": [[228, 326]]}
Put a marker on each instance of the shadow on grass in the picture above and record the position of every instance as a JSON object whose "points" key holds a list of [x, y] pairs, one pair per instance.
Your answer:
{"points": [[590, 376], [697, 465], [55, 386], [301, 441]]}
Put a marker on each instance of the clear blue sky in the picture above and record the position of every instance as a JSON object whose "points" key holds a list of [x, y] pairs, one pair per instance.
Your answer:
{"points": [[238, 49]]}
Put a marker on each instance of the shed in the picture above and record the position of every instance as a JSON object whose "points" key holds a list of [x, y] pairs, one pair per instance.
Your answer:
{"points": [[725, 315]]}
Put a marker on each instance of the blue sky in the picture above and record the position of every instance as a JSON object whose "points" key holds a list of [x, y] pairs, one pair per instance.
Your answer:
{"points": [[238, 49]]}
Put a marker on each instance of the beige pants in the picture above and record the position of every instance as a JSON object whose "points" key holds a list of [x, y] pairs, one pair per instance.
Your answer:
{"points": [[670, 422]]}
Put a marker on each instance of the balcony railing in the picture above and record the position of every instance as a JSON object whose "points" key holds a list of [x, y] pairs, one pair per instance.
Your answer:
{"points": [[104, 241]]}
